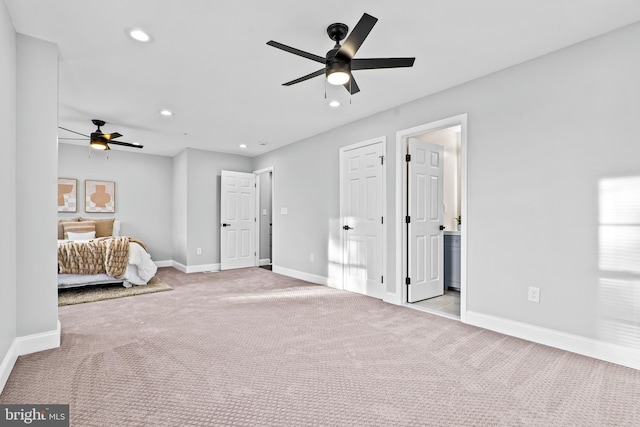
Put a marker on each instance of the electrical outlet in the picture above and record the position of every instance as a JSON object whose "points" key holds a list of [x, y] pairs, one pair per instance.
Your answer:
{"points": [[199, 251], [534, 294], [312, 257]]}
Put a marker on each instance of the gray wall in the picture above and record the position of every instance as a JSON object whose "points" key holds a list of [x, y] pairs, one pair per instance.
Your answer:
{"points": [[36, 186], [541, 136], [143, 191], [201, 207], [8, 177], [179, 208]]}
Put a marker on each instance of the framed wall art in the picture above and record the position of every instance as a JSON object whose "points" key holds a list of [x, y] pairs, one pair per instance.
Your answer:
{"points": [[100, 196], [67, 195]]}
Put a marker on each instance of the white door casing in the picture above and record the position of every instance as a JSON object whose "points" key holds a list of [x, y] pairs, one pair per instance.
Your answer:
{"points": [[237, 217], [362, 209], [425, 211]]}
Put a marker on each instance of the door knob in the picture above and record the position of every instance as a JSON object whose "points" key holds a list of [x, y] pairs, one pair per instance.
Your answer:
{"points": [[226, 225], [442, 227], [346, 227]]}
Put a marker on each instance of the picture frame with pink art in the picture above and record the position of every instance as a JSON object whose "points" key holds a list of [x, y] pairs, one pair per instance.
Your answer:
{"points": [[67, 195], [100, 196]]}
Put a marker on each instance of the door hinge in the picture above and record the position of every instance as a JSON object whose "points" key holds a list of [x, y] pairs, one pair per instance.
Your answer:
{"points": [[381, 279], [407, 281], [407, 219], [407, 157], [381, 220], [382, 160]]}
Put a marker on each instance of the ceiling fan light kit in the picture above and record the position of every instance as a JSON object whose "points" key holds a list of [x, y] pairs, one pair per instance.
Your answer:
{"points": [[339, 62], [338, 73]]}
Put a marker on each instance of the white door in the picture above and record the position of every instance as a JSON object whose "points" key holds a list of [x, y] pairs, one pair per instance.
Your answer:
{"points": [[237, 217], [361, 210], [425, 209]]}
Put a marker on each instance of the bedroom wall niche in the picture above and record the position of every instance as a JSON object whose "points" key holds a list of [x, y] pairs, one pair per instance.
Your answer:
{"points": [[143, 200], [196, 209]]}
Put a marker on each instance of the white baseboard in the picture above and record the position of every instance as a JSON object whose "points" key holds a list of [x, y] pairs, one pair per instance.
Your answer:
{"points": [[265, 261], [27, 345], [308, 277], [167, 263], [6, 366], [574, 343], [195, 268]]}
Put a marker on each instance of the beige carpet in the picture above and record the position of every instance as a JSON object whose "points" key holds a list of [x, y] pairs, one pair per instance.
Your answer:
{"points": [[253, 348], [103, 292]]}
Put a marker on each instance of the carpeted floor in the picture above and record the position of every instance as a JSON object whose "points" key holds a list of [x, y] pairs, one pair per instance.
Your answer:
{"points": [[103, 292], [253, 348]]}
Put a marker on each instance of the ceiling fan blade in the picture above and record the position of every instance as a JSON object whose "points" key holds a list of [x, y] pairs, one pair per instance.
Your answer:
{"points": [[307, 77], [75, 139], [354, 40], [298, 52], [352, 86], [373, 63], [110, 136], [127, 144], [73, 131]]}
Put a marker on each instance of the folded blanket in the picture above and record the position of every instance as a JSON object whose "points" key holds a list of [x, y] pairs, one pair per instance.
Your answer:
{"points": [[108, 255]]}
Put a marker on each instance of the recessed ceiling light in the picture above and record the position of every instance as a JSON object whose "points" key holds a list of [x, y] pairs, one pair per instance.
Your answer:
{"points": [[335, 103], [139, 35], [243, 145], [166, 112]]}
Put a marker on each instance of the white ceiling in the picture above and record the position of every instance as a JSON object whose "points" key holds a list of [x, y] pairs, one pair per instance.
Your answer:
{"points": [[209, 62]]}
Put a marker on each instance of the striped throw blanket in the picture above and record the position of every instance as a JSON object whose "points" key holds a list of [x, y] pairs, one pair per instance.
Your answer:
{"points": [[108, 255]]}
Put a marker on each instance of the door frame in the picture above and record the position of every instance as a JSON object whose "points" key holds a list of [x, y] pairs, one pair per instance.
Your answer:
{"points": [[257, 173], [383, 140], [402, 137]]}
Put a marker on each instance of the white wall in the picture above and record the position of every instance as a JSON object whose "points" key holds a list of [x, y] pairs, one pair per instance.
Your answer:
{"points": [[542, 135], [143, 191], [36, 185], [8, 177]]}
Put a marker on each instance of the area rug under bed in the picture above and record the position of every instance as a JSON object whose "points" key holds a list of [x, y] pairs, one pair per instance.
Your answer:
{"points": [[104, 292]]}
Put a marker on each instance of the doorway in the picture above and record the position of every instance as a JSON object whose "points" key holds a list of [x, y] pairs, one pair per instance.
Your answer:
{"points": [[264, 218], [450, 134]]}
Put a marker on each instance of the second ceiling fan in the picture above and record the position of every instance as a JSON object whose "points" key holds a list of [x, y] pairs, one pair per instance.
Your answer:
{"points": [[100, 140], [339, 61]]}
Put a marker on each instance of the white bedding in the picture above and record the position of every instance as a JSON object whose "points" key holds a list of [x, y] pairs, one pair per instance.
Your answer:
{"points": [[139, 271]]}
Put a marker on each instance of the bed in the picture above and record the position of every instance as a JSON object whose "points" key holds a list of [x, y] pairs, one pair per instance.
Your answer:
{"points": [[92, 252]]}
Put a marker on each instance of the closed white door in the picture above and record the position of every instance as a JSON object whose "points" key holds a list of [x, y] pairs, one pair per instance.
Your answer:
{"points": [[237, 217], [425, 209], [361, 211]]}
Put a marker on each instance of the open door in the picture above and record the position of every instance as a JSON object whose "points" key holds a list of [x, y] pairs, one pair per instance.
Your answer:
{"points": [[424, 220], [238, 222]]}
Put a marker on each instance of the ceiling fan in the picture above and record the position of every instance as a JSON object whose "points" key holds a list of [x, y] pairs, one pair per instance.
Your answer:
{"points": [[101, 141], [339, 61]]}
